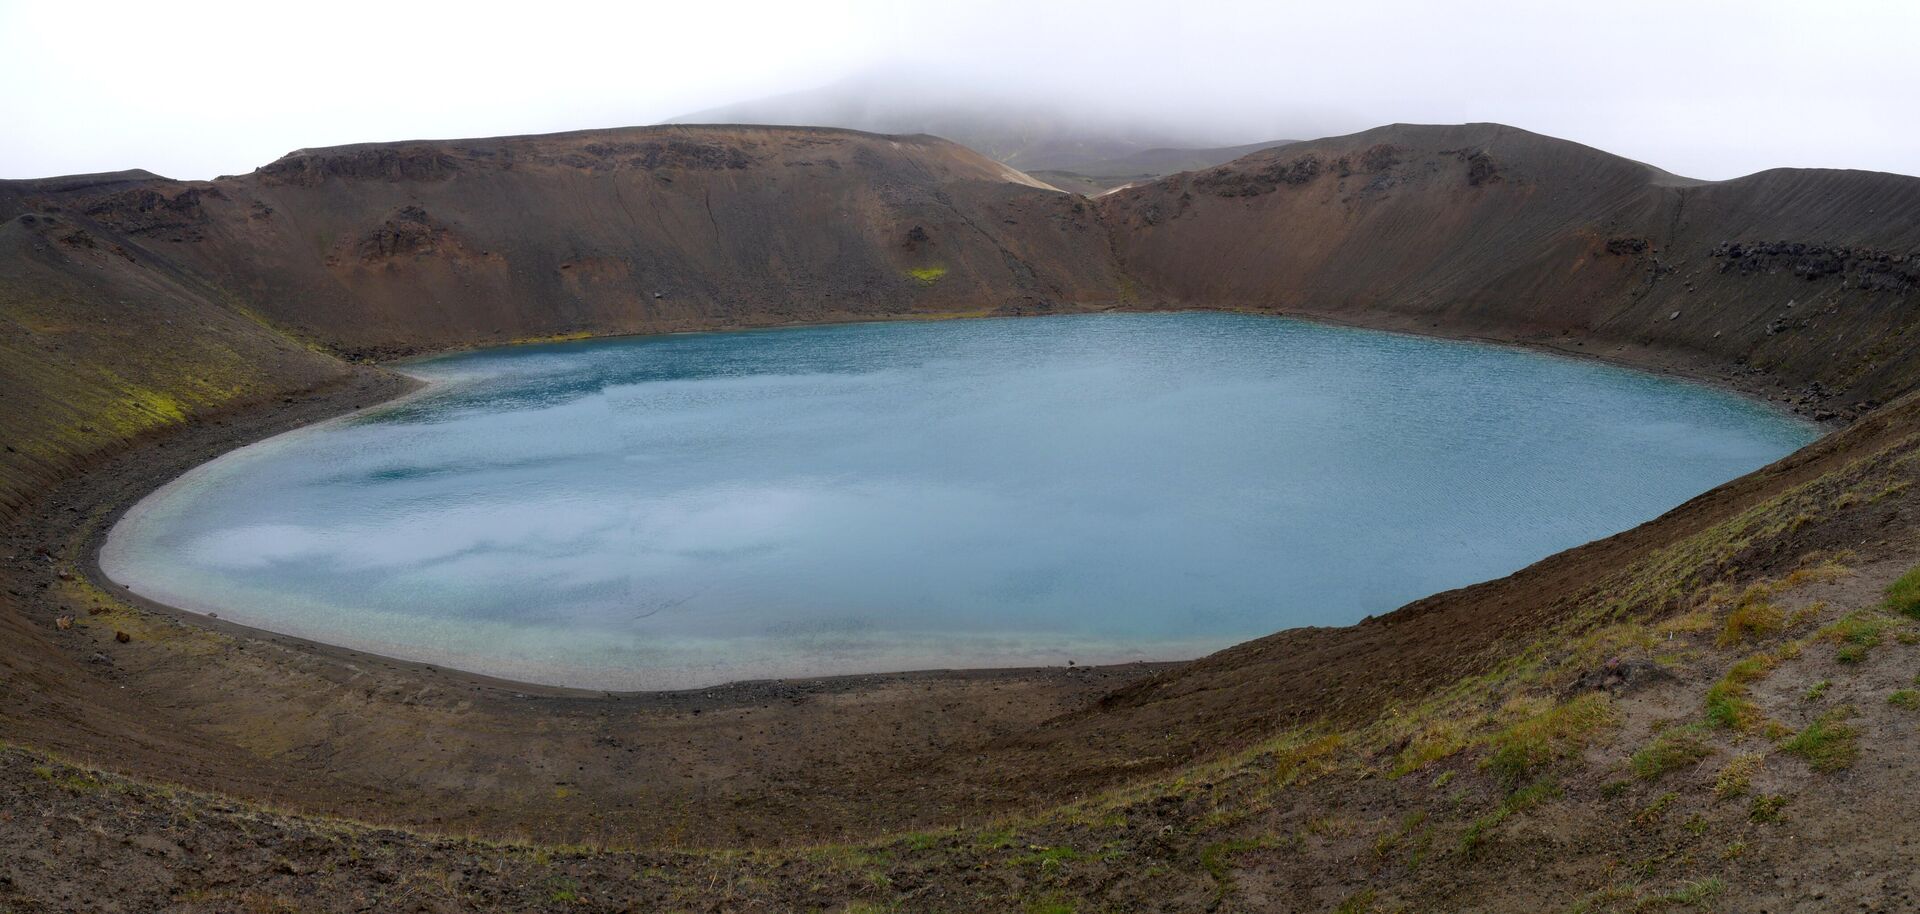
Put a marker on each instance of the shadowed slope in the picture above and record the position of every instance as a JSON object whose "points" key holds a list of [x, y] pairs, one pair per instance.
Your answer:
{"points": [[102, 343]]}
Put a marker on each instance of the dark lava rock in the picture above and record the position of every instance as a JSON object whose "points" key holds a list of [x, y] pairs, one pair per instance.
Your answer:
{"points": [[1481, 169]]}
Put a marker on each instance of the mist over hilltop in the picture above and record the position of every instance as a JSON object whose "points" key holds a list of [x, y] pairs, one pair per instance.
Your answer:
{"points": [[1704, 90]]}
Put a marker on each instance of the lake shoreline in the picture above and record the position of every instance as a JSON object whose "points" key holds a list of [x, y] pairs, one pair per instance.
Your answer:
{"points": [[311, 485], [207, 441]]}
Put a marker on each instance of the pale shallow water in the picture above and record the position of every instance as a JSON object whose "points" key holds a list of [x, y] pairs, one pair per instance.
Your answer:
{"points": [[678, 511]]}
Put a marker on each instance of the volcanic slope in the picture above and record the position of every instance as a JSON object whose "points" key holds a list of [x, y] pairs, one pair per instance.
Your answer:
{"points": [[1804, 277], [393, 247], [103, 341]]}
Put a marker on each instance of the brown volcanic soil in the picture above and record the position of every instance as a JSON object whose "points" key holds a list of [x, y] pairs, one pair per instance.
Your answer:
{"points": [[414, 246], [148, 325]]}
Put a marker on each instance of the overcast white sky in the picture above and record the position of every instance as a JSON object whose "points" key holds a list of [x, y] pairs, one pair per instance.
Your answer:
{"points": [[1708, 89]]}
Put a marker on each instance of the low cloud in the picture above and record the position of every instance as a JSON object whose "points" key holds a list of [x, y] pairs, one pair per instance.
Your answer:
{"points": [[1708, 89]]}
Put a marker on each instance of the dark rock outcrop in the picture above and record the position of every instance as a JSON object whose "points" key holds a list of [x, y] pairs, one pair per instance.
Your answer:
{"points": [[1863, 268], [409, 231], [152, 212], [384, 163]]}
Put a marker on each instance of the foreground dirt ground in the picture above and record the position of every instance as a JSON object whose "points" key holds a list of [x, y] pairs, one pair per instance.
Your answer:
{"points": [[1598, 776]]}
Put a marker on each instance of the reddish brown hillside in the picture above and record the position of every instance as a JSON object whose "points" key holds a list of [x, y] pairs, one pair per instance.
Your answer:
{"points": [[1491, 231], [397, 247]]}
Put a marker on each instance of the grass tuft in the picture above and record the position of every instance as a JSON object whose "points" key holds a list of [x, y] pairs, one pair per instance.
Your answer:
{"points": [[1475, 839], [1767, 808], [1829, 743], [1728, 705], [1903, 595], [69, 779], [1856, 633], [1437, 740], [1753, 618], [1301, 763], [1522, 749], [1737, 777], [1670, 751], [1411, 834]]}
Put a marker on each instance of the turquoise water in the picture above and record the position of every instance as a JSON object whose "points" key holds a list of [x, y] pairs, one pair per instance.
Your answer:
{"points": [[683, 510]]}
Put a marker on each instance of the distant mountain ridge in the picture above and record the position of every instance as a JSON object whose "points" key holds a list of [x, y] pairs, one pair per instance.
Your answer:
{"points": [[1095, 178]]}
